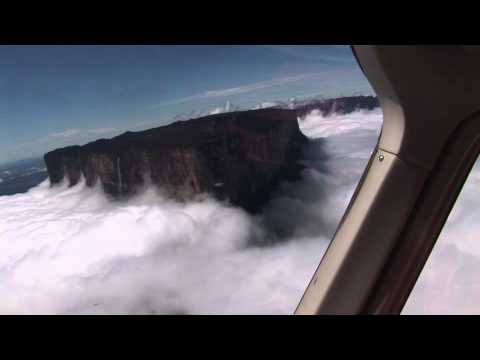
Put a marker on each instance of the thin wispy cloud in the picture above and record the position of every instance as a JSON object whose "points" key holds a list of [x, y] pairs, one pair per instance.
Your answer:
{"points": [[67, 134], [248, 88], [72, 132], [338, 54]]}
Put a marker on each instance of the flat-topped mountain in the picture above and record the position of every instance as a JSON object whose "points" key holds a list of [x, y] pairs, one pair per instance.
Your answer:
{"points": [[239, 156]]}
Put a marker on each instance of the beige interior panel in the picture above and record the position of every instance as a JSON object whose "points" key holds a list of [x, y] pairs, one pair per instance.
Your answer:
{"points": [[360, 237]]}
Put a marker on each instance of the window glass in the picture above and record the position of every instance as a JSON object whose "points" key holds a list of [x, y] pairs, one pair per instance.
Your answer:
{"points": [[450, 282], [229, 213]]}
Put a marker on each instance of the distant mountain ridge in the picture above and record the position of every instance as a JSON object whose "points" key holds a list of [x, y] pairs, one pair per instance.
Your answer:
{"points": [[342, 105], [19, 176]]}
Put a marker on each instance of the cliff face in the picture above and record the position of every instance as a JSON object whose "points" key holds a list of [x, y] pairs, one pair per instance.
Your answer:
{"points": [[240, 156]]}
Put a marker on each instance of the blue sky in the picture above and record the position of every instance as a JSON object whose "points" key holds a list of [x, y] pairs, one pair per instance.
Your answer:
{"points": [[53, 96]]}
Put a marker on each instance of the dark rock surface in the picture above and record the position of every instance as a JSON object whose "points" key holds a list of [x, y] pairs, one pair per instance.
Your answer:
{"points": [[239, 156]]}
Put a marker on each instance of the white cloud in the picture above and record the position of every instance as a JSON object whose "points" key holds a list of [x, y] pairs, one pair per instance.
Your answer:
{"points": [[267, 104]]}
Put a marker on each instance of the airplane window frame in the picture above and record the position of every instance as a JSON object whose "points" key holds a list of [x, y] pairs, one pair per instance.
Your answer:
{"points": [[364, 269], [428, 218]]}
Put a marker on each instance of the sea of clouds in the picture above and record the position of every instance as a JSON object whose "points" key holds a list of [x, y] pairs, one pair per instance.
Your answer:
{"points": [[72, 250]]}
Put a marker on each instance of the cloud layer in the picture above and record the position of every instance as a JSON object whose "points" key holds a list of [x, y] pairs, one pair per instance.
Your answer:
{"points": [[72, 250]]}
